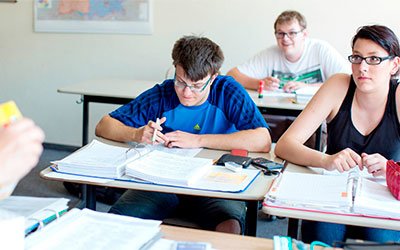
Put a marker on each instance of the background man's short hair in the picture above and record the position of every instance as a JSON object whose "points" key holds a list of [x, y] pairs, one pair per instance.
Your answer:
{"points": [[289, 16], [198, 56]]}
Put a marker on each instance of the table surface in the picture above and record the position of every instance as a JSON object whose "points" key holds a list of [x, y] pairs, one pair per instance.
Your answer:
{"points": [[129, 89]]}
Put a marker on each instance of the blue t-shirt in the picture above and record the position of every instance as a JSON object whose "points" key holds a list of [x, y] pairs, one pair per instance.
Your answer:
{"points": [[228, 109]]}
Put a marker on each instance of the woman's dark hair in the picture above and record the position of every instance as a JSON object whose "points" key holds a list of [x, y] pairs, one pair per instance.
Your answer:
{"points": [[198, 56], [381, 35]]}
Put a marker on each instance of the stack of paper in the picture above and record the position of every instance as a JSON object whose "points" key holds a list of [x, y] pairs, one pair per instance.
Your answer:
{"points": [[36, 210], [100, 159], [86, 229], [375, 199], [168, 169], [311, 191], [11, 230], [304, 95]]}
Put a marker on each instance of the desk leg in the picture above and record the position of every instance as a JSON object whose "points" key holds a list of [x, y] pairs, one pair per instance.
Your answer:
{"points": [[251, 218], [90, 196], [318, 138], [293, 228], [85, 121]]}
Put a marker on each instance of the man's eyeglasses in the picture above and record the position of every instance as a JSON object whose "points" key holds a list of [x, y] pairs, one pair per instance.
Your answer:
{"points": [[291, 34], [194, 88], [370, 60]]}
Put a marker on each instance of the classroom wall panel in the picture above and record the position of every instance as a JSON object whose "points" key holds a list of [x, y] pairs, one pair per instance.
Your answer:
{"points": [[33, 65]]}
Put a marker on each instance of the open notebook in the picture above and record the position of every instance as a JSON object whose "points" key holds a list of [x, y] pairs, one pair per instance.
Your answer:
{"points": [[37, 211], [149, 165], [349, 193], [87, 229]]}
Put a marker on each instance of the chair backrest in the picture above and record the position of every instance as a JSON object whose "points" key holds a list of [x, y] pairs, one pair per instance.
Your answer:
{"points": [[170, 74]]}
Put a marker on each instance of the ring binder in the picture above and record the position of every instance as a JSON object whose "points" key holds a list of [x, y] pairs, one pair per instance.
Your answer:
{"points": [[41, 211]]}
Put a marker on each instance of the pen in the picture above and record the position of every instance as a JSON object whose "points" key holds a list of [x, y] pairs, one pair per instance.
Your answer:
{"points": [[153, 139]]}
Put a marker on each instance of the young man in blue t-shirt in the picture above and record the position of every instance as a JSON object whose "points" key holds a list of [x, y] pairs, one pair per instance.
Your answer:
{"points": [[198, 108]]}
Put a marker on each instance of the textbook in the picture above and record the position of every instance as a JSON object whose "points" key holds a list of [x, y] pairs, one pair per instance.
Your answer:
{"points": [[304, 95], [149, 165], [100, 159], [343, 194], [163, 168], [37, 211], [109, 161], [87, 229]]}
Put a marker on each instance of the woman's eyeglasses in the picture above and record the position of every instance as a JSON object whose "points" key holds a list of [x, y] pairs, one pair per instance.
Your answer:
{"points": [[370, 60]]}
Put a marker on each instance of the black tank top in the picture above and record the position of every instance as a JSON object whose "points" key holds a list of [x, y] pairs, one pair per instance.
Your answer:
{"points": [[384, 139]]}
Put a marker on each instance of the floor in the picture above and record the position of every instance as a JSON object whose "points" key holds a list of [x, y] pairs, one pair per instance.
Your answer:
{"points": [[33, 185]]}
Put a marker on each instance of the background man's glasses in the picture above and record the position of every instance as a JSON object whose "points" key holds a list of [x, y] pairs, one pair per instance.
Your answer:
{"points": [[291, 34], [370, 60], [194, 88]]}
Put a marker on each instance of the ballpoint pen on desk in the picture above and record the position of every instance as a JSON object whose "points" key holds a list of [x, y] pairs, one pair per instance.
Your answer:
{"points": [[153, 138]]}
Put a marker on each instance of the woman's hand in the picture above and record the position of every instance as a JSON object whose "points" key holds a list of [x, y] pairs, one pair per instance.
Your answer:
{"points": [[375, 163], [342, 161]]}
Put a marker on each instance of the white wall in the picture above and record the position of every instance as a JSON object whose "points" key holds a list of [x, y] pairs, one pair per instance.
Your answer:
{"points": [[33, 65]]}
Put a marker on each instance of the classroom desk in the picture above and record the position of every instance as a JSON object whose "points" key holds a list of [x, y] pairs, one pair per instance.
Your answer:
{"points": [[117, 91], [221, 240], [218, 240], [252, 195], [295, 215], [110, 91]]}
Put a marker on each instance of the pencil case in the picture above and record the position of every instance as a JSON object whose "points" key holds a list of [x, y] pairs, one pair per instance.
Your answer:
{"points": [[393, 178]]}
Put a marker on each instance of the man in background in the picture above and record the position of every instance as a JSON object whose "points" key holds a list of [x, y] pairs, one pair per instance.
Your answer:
{"points": [[294, 62]]}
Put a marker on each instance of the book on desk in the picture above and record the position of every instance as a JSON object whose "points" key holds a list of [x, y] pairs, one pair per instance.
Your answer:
{"points": [[87, 229], [146, 165], [37, 211], [340, 194]]}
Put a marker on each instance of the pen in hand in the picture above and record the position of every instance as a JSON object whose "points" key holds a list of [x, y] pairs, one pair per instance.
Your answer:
{"points": [[153, 138]]}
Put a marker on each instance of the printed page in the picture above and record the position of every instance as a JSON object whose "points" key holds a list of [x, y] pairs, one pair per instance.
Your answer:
{"points": [[163, 168], [363, 173], [375, 199], [189, 152], [312, 191], [278, 93], [219, 178], [86, 229]]}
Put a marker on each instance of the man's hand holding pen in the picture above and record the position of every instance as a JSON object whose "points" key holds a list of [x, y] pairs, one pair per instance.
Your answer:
{"points": [[151, 133]]}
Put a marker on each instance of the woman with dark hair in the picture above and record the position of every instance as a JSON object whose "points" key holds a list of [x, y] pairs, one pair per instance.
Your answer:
{"points": [[362, 111]]}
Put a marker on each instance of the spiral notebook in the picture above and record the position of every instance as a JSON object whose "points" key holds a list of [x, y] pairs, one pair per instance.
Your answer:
{"points": [[38, 211], [343, 194]]}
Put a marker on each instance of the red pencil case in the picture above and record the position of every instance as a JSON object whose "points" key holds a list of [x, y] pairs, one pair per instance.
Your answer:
{"points": [[393, 178]]}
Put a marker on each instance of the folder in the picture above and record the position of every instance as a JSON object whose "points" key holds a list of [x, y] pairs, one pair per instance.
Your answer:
{"points": [[350, 194], [37, 211]]}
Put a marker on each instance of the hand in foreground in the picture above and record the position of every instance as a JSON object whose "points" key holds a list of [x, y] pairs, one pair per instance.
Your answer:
{"points": [[182, 140], [271, 83], [292, 86], [342, 161], [375, 163], [20, 149], [146, 133]]}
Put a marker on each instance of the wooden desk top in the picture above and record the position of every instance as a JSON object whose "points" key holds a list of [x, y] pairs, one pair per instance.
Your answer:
{"points": [[327, 217], [217, 240]]}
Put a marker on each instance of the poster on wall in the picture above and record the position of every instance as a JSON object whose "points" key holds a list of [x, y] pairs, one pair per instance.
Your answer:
{"points": [[94, 16]]}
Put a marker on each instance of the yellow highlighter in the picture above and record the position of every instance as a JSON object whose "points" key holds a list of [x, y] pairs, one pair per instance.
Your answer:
{"points": [[9, 112]]}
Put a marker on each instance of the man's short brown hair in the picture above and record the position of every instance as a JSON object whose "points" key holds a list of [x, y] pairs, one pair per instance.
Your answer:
{"points": [[289, 16], [198, 56]]}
